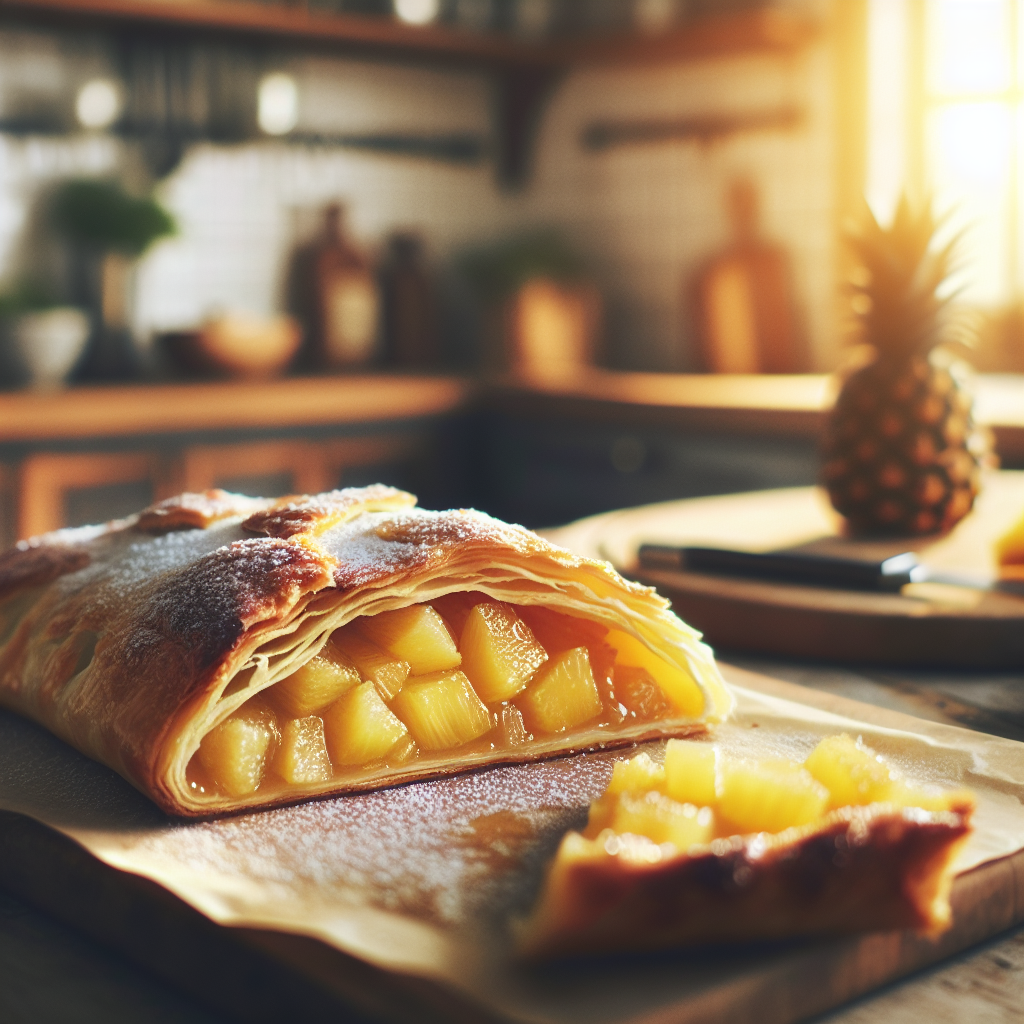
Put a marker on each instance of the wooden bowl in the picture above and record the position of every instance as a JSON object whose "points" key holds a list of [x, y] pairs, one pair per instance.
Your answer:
{"points": [[236, 345]]}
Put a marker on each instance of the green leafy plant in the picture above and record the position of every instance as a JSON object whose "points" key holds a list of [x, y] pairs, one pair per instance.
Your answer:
{"points": [[102, 215], [25, 297], [499, 270]]}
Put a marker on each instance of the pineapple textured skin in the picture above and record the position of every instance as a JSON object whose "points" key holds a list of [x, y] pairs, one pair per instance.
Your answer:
{"points": [[901, 454]]}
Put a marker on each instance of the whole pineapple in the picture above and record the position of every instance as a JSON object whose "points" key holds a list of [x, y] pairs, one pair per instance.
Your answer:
{"points": [[901, 454]]}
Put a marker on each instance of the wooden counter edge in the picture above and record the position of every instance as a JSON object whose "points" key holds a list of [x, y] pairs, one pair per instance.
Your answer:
{"points": [[793, 405], [111, 411]]}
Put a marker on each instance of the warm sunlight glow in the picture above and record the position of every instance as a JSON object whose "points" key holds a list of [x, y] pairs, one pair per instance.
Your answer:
{"points": [[952, 128], [970, 151], [967, 46], [887, 108]]}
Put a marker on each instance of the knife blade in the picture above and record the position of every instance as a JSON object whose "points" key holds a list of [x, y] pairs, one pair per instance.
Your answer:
{"points": [[888, 575]]}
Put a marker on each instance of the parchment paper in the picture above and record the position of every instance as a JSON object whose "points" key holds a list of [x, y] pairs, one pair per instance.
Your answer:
{"points": [[425, 878]]}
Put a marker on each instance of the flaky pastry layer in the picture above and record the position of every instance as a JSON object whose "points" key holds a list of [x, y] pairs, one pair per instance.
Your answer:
{"points": [[871, 868], [133, 640]]}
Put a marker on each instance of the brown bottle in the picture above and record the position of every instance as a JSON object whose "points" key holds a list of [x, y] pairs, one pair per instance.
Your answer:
{"points": [[345, 310], [410, 313]]}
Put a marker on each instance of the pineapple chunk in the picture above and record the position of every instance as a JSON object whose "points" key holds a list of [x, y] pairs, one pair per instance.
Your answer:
{"points": [[359, 728], [1009, 548], [499, 653], [402, 752], [416, 634], [388, 672], [769, 796], [851, 772], [637, 775], [680, 689], [662, 820], [442, 710], [234, 753], [511, 726], [690, 772], [600, 815], [562, 695], [301, 756], [854, 774], [637, 690], [314, 685]]}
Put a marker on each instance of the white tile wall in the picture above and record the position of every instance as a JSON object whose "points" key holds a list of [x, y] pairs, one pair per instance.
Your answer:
{"points": [[645, 216]]}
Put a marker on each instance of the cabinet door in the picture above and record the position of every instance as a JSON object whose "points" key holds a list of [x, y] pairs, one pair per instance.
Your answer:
{"points": [[266, 469], [75, 488], [273, 468]]}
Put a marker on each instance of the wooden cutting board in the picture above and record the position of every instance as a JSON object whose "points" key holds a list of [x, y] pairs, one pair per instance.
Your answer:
{"points": [[926, 625], [259, 973]]}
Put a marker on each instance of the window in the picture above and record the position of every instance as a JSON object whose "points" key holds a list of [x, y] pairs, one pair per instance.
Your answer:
{"points": [[946, 119]]}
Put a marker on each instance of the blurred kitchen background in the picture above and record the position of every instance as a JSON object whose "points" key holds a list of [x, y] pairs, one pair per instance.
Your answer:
{"points": [[545, 257]]}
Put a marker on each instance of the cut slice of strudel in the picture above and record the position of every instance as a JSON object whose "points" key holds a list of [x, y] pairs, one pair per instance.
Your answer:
{"points": [[224, 652]]}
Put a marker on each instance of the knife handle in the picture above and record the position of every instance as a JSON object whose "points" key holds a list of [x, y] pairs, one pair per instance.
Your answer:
{"points": [[889, 574]]}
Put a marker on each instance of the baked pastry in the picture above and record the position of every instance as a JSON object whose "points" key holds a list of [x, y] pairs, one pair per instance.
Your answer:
{"points": [[224, 652], [707, 849]]}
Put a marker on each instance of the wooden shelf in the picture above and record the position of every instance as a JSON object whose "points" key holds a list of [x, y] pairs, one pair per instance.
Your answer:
{"points": [[525, 73], [777, 405], [771, 404], [282, 22], [194, 408], [746, 32], [766, 31]]}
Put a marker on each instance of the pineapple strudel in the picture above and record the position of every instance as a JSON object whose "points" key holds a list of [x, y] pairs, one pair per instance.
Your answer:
{"points": [[223, 652], [707, 848]]}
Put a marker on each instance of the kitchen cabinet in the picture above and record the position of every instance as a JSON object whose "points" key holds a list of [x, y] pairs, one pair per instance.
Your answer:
{"points": [[549, 453], [90, 454], [531, 452]]}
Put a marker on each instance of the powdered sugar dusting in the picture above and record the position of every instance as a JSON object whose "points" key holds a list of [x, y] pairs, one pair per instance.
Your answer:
{"points": [[434, 850]]}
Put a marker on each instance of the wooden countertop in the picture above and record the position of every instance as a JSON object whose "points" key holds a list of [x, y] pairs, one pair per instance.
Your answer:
{"points": [[112, 411], [781, 405], [793, 405]]}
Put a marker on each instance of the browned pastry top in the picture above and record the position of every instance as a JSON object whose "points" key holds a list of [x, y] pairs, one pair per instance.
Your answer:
{"points": [[126, 639]]}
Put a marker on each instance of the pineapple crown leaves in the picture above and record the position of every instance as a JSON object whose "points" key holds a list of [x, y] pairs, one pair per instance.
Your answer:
{"points": [[895, 292]]}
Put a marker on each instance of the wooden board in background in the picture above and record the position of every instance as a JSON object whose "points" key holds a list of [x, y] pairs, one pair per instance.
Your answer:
{"points": [[927, 625]]}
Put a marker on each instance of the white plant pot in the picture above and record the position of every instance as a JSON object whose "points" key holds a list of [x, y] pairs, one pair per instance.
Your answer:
{"points": [[49, 344]]}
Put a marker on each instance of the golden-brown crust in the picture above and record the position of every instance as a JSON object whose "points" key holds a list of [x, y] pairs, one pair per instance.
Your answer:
{"points": [[195, 511], [862, 868], [310, 514], [131, 649], [31, 564]]}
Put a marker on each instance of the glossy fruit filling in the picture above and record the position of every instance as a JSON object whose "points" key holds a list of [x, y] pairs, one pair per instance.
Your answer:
{"points": [[700, 794], [464, 673]]}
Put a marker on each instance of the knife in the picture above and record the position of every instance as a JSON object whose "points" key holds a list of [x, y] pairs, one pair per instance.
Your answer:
{"points": [[887, 575]]}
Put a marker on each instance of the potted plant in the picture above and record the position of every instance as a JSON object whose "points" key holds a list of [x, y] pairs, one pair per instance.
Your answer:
{"points": [[42, 339], [107, 229], [542, 311]]}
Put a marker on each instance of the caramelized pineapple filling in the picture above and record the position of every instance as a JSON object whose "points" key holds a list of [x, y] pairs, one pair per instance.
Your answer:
{"points": [[709, 848], [464, 673], [699, 795]]}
